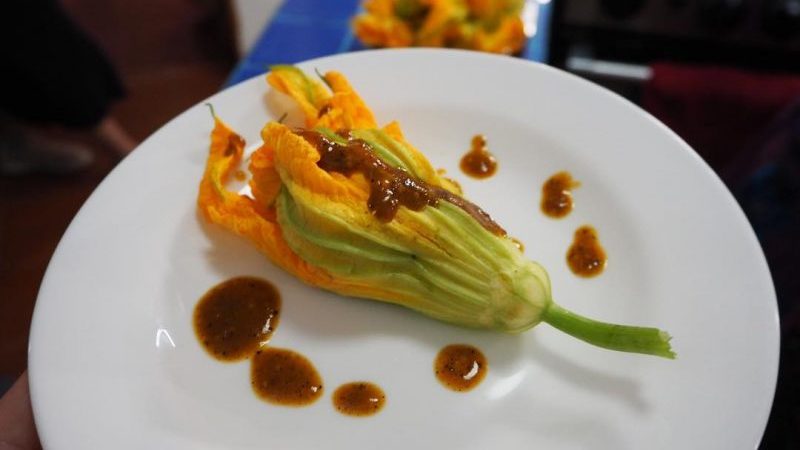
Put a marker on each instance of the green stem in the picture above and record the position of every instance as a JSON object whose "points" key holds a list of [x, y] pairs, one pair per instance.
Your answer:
{"points": [[624, 338], [322, 77]]}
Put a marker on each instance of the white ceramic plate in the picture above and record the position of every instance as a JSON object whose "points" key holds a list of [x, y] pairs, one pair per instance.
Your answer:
{"points": [[114, 362]]}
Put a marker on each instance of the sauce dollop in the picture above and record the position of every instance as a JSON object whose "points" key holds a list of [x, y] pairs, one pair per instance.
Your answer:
{"points": [[586, 257], [359, 398], [285, 377], [479, 162], [390, 187], [237, 317], [557, 194], [460, 367]]}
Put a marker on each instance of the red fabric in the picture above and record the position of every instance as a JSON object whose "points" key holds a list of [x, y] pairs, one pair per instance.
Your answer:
{"points": [[718, 111]]}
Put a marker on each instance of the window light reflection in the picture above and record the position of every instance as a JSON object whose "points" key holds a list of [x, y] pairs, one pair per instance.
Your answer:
{"points": [[505, 386], [163, 337]]}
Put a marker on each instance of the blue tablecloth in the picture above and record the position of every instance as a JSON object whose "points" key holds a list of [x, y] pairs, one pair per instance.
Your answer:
{"points": [[305, 29]]}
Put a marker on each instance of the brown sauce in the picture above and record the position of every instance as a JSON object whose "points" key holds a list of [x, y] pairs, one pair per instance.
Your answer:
{"points": [[586, 257], [460, 367], [359, 399], [390, 187], [557, 195], [479, 162], [235, 142], [324, 110], [236, 317], [285, 377]]}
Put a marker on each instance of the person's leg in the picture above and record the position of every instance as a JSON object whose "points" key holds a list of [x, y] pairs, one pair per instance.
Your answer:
{"points": [[59, 79]]}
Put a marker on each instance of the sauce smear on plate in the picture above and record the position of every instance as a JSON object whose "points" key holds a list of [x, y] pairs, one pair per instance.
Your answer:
{"points": [[557, 195], [359, 398], [479, 162], [285, 377], [586, 257], [237, 317], [460, 367]]}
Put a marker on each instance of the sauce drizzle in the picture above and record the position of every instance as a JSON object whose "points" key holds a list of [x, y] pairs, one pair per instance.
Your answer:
{"points": [[586, 257], [479, 162], [236, 317], [235, 142], [284, 377], [557, 195], [359, 398], [460, 367], [390, 187]]}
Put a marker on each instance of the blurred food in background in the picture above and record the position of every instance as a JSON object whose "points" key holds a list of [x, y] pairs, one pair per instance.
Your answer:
{"points": [[487, 25]]}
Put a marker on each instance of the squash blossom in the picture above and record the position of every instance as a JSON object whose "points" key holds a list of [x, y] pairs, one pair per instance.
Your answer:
{"points": [[354, 208], [487, 25]]}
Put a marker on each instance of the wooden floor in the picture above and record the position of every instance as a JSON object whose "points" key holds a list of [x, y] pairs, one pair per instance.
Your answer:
{"points": [[170, 54]]}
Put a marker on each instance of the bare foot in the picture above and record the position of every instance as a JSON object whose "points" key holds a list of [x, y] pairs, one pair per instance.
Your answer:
{"points": [[25, 149]]}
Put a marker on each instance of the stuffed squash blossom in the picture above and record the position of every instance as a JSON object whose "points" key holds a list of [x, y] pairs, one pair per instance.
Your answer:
{"points": [[353, 208]]}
